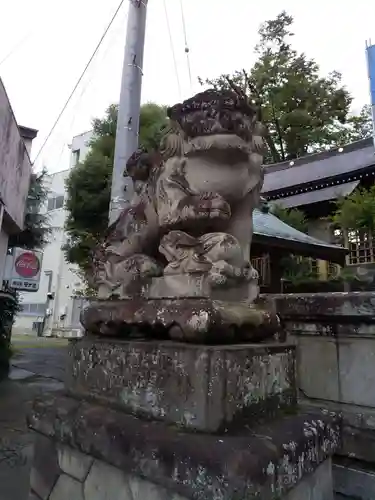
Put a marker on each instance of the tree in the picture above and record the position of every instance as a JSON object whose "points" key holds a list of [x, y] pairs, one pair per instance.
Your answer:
{"points": [[360, 126], [304, 112], [89, 183], [291, 216], [36, 227], [356, 211]]}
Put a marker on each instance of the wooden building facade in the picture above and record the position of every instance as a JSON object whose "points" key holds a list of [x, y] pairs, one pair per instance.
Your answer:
{"points": [[313, 183]]}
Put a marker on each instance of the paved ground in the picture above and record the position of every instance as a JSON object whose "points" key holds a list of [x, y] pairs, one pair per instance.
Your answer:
{"points": [[37, 366]]}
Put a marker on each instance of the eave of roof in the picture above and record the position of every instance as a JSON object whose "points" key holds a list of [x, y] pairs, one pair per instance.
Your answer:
{"points": [[353, 162], [309, 197], [271, 231], [27, 132]]}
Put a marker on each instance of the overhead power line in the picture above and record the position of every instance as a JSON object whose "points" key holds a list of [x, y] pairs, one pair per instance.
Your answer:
{"points": [[172, 49], [187, 50], [79, 79], [90, 77], [15, 48]]}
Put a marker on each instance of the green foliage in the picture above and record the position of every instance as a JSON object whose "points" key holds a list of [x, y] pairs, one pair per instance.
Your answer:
{"points": [[89, 183], [296, 270], [304, 112], [9, 306], [291, 216], [359, 126], [356, 211], [36, 228]]}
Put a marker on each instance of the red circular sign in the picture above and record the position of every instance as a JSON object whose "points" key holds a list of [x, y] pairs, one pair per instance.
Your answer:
{"points": [[27, 265]]}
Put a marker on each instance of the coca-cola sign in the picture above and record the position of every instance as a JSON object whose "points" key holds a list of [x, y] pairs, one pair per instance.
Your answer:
{"points": [[23, 269], [27, 265]]}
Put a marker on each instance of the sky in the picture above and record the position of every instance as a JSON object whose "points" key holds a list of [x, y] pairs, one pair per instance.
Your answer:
{"points": [[45, 44]]}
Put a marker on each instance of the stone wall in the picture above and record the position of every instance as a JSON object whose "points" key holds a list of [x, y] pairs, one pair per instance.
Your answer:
{"points": [[335, 338], [59, 472], [75, 441]]}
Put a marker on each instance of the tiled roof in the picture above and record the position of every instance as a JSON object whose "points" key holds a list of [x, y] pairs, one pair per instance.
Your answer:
{"points": [[268, 226], [318, 167]]}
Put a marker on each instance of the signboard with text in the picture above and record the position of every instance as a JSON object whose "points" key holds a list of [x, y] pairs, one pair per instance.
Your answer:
{"points": [[24, 270]]}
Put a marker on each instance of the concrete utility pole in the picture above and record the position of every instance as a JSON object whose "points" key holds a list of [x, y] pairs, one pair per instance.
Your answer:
{"points": [[129, 107], [370, 49]]}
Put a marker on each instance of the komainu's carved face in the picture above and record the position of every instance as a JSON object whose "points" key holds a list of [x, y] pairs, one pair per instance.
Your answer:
{"points": [[214, 112]]}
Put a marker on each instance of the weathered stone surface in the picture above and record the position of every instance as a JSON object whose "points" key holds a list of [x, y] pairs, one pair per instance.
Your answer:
{"points": [[68, 488], [270, 458], [317, 368], [357, 371], [177, 285], [144, 489], [315, 486], [190, 211], [358, 428], [206, 388], [353, 482], [334, 336], [196, 320], [357, 308], [74, 463], [107, 482], [45, 468]]}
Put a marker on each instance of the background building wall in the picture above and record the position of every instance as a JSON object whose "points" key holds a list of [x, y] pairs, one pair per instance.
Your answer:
{"points": [[15, 167], [58, 276]]}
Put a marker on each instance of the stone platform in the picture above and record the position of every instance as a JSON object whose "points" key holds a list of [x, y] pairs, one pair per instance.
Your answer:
{"points": [[207, 388], [87, 451], [194, 319]]}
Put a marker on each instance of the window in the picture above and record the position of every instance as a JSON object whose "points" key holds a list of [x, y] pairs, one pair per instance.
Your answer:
{"points": [[33, 309], [55, 202], [75, 155], [262, 265], [361, 246]]}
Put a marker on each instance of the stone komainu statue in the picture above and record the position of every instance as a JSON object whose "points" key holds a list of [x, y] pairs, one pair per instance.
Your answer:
{"points": [[187, 232], [192, 209]]}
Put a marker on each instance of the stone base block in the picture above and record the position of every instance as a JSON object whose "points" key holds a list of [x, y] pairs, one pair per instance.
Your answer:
{"points": [[358, 428], [353, 481], [198, 320], [208, 388], [91, 452]]}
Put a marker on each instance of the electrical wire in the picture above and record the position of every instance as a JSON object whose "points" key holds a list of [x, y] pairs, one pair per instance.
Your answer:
{"points": [[15, 48], [187, 50], [79, 80], [172, 48], [76, 107]]}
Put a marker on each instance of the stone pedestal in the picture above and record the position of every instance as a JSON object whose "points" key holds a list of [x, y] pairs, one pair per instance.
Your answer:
{"points": [[206, 388], [92, 452], [126, 426], [188, 318]]}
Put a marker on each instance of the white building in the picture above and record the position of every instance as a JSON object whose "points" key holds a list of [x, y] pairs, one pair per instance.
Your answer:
{"points": [[58, 277]]}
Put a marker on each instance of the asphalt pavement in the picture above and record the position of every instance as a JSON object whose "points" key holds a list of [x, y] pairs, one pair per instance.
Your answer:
{"points": [[37, 366]]}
